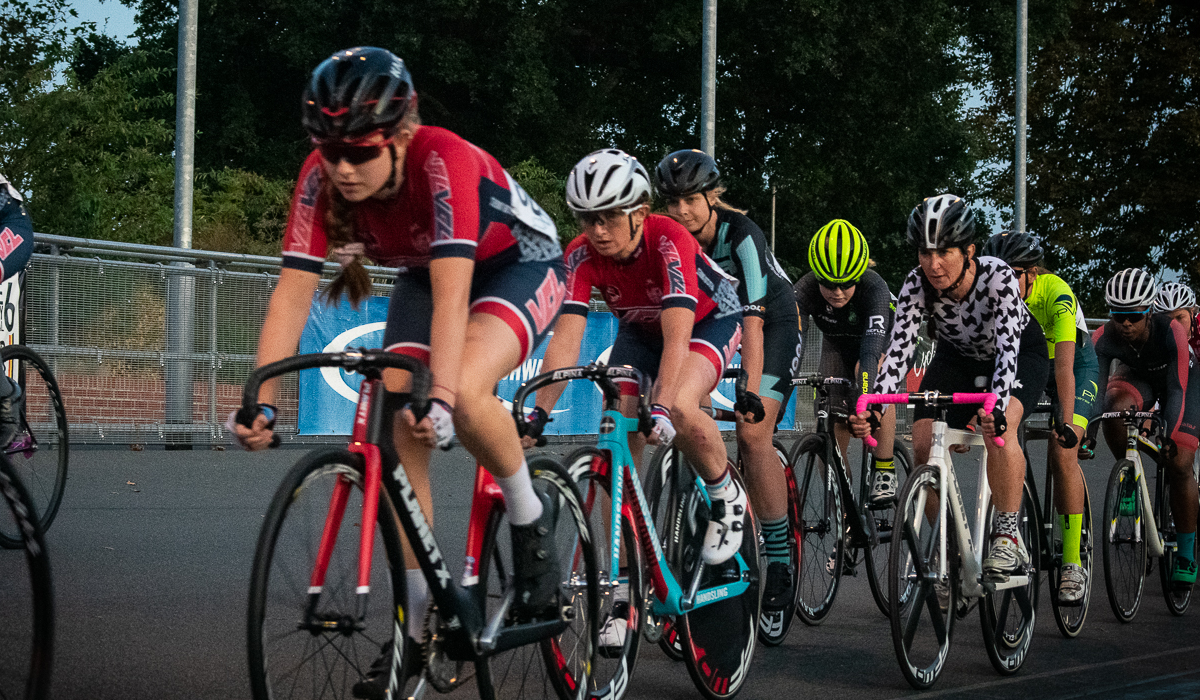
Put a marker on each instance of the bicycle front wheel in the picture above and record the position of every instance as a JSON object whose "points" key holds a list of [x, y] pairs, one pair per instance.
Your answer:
{"points": [[880, 526], [718, 638], [27, 590], [1008, 615], [666, 481], [1124, 542], [923, 606], [307, 637], [1070, 616], [558, 666], [1178, 596], [622, 592], [821, 528], [40, 450]]}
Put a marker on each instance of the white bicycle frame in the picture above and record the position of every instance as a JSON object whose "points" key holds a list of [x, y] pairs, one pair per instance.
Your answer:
{"points": [[1154, 540]]}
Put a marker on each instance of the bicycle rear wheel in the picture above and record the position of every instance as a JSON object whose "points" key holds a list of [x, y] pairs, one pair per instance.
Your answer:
{"points": [[1178, 596], [622, 592], [40, 450], [923, 611], [821, 527], [1124, 542], [880, 525], [665, 479], [306, 641], [773, 625], [558, 666], [1008, 616], [1070, 617], [718, 639], [27, 589]]}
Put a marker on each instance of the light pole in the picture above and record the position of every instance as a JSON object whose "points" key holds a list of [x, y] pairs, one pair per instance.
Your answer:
{"points": [[708, 80], [1022, 89]]}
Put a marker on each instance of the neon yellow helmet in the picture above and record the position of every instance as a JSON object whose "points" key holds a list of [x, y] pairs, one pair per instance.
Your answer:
{"points": [[839, 253]]}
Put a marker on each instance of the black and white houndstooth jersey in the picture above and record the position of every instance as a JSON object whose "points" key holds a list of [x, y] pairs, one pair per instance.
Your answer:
{"points": [[986, 324]]}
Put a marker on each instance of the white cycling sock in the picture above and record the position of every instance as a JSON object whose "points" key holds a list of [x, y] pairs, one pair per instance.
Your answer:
{"points": [[418, 598], [522, 503], [723, 488]]}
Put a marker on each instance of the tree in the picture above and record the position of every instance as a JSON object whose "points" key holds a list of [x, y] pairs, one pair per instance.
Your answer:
{"points": [[1114, 128]]}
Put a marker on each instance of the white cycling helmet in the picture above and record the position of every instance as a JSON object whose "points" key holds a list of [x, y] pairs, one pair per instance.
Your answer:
{"points": [[607, 179], [1129, 289], [1173, 296]]}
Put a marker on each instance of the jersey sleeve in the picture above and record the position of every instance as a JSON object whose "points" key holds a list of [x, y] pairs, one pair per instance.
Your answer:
{"points": [[677, 262], [579, 280], [750, 258], [910, 306], [1104, 358], [806, 299], [1175, 350], [876, 307], [450, 171], [1061, 326], [16, 238], [1010, 321], [304, 242]]}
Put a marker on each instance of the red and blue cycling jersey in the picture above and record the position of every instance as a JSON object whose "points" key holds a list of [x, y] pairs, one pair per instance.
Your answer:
{"points": [[455, 201], [666, 270]]}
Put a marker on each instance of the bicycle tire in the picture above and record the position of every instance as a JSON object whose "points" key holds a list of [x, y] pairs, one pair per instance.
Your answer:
{"points": [[28, 611], [1123, 544], [1070, 618], [880, 526], [1008, 617], [773, 625], [554, 667], [821, 526], [661, 486], [40, 452], [1178, 597], [719, 638], [591, 470], [326, 653], [922, 625]]}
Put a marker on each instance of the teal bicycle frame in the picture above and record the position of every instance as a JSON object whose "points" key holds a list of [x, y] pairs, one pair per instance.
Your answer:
{"points": [[669, 597]]}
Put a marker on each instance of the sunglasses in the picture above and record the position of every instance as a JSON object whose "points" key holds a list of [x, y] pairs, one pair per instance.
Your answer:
{"points": [[351, 153], [1127, 316], [607, 217], [838, 285]]}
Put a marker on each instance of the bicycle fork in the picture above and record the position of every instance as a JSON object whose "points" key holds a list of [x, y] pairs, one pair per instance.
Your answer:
{"points": [[1153, 540]]}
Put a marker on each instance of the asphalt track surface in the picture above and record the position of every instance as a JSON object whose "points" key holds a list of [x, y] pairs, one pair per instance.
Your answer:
{"points": [[152, 553]]}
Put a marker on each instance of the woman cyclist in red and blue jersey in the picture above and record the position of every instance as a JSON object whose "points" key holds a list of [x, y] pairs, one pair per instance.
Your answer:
{"points": [[689, 181], [678, 321], [480, 280], [1153, 364]]}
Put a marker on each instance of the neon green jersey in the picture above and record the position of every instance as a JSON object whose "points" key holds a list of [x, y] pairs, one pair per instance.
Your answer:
{"points": [[1055, 307]]}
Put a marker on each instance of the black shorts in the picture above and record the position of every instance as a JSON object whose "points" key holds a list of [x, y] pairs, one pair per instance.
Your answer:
{"points": [[715, 338], [951, 372], [1147, 392], [840, 360], [781, 357]]}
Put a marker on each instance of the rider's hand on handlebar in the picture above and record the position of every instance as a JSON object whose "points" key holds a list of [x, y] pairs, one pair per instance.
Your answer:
{"points": [[664, 430], [535, 424], [751, 407], [1065, 435], [861, 424], [436, 427], [994, 424], [260, 435]]}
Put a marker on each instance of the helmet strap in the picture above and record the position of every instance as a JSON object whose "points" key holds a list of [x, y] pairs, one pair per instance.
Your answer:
{"points": [[391, 181], [962, 275]]}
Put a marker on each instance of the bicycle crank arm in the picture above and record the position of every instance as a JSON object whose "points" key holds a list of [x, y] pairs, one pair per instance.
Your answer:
{"points": [[487, 641], [1012, 582], [689, 600]]}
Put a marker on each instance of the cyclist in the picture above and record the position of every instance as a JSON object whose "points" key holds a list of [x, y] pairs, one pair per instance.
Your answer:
{"points": [[986, 341], [1153, 364], [1072, 383], [16, 247], [852, 306], [1178, 301], [690, 182], [480, 280], [678, 321]]}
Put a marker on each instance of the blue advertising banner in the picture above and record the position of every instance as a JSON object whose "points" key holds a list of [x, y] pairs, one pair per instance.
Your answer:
{"points": [[328, 396]]}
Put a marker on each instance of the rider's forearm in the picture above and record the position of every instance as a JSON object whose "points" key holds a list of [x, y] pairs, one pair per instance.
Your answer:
{"points": [[752, 351], [286, 314], [677, 326], [561, 351], [1064, 377], [450, 283]]}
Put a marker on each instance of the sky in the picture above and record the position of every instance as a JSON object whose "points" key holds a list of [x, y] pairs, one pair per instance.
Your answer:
{"points": [[111, 17]]}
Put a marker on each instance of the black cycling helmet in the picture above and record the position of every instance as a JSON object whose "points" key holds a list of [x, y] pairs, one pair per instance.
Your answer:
{"points": [[356, 92], [941, 222], [685, 173], [1016, 249]]}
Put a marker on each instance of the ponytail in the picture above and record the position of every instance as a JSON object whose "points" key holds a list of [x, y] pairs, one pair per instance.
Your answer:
{"points": [[339, 230]]}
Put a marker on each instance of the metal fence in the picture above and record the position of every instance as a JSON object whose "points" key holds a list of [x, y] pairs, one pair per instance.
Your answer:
{"points": [[151, 345]]}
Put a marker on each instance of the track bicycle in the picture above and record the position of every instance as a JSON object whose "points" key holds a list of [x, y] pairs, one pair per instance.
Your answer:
{"points": [[27, 616], [1069, 617], [935, 565], [327, 590], [41, 448], [713, 609], [834, 528], [1139, 528]]}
